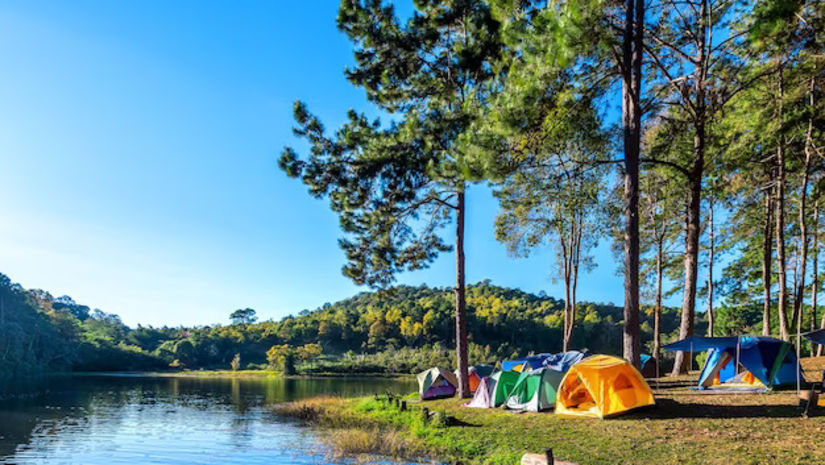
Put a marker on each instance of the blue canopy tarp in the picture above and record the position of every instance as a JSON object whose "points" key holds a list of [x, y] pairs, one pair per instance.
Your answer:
{"points": [[564, 360], [817, 336], [700, 344], [768, 359], [531, 362]]}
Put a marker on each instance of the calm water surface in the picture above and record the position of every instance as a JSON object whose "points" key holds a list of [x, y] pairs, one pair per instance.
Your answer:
{"points": [[161, 420]]}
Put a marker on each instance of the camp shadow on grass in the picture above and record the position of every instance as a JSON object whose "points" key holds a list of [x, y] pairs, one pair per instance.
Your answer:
{"points": [[670, 409]]}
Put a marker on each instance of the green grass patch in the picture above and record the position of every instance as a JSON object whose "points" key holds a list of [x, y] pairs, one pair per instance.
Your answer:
{"points": [[686, 427]]}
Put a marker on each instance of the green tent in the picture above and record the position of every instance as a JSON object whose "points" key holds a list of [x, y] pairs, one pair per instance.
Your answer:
{"points": [[535, 390], [494, 389], [435, 383]]}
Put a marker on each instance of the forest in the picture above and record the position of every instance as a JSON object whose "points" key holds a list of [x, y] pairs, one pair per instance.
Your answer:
{"points": [[400, 330], [689, 135]]}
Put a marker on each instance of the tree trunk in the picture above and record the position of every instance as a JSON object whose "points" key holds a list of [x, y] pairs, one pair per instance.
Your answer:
{"points": [[460, 307], [566, 235], [780, 220], [767, 255], [691, 272], [803, 220], [657, 313], [692, 220], [803, 244], [814, 274], [710, 269], [576, 258], [631, 121]]}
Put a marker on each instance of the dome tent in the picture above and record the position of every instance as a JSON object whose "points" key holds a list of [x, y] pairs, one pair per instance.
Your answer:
{"points": [[475, 374], [535, 390], [602, 386], [494, 390], [435, 383], [742, 363]]}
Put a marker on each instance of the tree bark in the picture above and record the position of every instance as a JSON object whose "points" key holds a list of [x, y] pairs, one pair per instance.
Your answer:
{"points": [[567, 297], [710, 268], [460, 307], [692, 217], [814, 274], [631, 121], [657, 313], [780, 221], [767, 255]]}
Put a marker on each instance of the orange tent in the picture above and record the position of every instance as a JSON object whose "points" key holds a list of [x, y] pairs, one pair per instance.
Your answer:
{"points": [[602, 386]]}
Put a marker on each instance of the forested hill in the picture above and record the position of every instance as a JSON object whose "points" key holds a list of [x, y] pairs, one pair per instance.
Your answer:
{"points": [[399, 330]]}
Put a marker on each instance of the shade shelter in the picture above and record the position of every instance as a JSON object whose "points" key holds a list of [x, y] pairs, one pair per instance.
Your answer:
{"points": [[494, 390], [602, 386], [744, 363], [817, 336], [475, 374], [436, 383]]}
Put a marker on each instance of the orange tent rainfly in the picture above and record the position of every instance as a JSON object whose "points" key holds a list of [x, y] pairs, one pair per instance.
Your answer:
{"points": [[602, 386]]}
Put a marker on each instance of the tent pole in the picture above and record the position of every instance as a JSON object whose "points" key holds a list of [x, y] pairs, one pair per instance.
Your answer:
{"points": [[798, 353], [736, 368]]}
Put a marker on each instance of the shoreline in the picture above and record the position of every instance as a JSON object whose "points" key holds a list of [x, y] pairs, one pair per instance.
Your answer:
{"points": [[683, 428]]}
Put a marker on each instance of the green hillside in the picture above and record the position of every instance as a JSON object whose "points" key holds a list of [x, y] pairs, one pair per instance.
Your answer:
{"points": [[400, 330]]}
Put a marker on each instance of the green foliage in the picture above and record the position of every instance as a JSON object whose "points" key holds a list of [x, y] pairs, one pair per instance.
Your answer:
{"points": [[282, 358], [402, 330], [243, 316]]}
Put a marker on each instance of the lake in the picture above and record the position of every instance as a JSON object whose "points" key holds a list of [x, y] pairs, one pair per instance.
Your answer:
{"points": [[167, 420]]}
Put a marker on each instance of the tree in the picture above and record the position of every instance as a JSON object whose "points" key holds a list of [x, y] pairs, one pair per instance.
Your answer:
{"points": [[550, 199], [243, 316], [236, 362], [386, 182], [308, 352], [600, 44], [281, 357], [697, 67], [660, 194]]}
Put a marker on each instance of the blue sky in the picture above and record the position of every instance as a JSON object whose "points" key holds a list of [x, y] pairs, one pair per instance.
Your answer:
{"points": [[139, 144]]}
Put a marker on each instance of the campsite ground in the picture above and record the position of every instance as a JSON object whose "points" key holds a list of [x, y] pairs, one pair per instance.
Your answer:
{"points": [[685, 427]]}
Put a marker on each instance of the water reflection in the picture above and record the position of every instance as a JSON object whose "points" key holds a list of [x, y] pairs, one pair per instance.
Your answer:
{"points": [[129, 419]]}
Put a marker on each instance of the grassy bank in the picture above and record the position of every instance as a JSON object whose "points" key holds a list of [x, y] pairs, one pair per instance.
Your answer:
{"points": [[685, 427]]}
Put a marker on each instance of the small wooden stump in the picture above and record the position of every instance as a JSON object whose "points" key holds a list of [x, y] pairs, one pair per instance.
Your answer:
{"points": [[543, 459], [403, 405]]}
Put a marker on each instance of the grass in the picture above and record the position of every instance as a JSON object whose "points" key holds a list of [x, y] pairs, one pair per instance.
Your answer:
{"points": [[686, 427]]}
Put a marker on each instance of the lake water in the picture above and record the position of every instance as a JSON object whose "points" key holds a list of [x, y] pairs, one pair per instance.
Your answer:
{"points": [[108, 420]]}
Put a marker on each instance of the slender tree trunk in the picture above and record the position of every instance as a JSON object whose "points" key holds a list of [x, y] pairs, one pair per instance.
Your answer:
{"points": [[814, 274], [565, 237], [780, 222], [692, 220], [803, 220], [460, 307], [576, 257], [657, 313], [803, 244], [631, 121], [710, 269], [767, 255]]}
